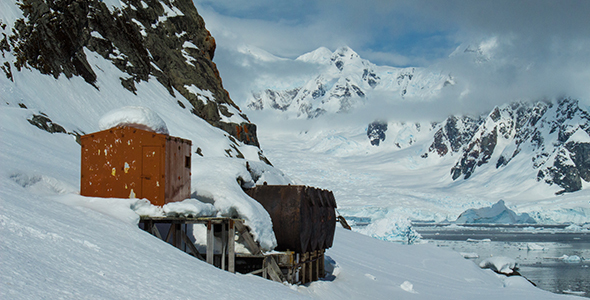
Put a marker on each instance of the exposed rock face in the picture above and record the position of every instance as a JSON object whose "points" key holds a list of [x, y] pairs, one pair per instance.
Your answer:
{"points": [[453, 134], [376, 132], [556, 137], [146, 39]]}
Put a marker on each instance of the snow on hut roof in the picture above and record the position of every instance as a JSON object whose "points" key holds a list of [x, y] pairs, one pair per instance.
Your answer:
{"points": [[133, 116]]}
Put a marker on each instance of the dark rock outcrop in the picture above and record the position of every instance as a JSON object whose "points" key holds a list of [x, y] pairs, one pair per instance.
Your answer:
{"points": [[555, 133], [151, 39], [376, 132]]}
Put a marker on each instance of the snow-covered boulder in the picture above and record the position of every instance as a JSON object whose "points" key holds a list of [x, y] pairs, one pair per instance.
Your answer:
{"points": [[496, 214], [133, 116]]}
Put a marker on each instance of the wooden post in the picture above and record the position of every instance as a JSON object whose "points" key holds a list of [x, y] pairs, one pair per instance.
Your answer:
{"points": [[224, 228], [177, 238], [210, 243], [322, 264], [316, 266], [231, 247], [304, 268]]}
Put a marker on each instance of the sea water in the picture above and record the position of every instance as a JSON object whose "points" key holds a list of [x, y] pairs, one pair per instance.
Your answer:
{"points": [[551, 257]]}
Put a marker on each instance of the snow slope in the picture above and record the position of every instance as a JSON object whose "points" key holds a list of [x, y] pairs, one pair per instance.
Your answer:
{"points": [[61, 245], [389, 182], [28, 152]]}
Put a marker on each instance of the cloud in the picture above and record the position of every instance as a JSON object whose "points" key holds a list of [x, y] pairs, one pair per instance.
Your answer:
{"points": [[530, 49]]}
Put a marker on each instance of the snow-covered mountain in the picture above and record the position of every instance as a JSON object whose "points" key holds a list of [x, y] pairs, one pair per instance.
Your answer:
{"points": [[548, 139], [345, 81]]}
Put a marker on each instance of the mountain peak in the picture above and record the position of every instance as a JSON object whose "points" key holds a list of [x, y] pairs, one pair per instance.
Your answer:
{"points": [[320, 55]]}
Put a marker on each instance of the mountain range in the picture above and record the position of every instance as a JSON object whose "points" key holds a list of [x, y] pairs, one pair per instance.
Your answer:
{"points": [[548, 138]]}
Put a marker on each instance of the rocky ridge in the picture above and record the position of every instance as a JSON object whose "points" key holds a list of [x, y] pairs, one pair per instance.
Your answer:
{"points": [[146, 39], [553, 136]]}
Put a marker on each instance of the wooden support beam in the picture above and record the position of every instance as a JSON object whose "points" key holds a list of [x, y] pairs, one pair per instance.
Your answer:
{"points": [[169, 234], [322, 264], [224, 233], [231, 247], [304, 268], [316, 266], [272, 269], [177, 238], [191, 246], [153, 229], [275, 270], [245, 234], [210, 243]]}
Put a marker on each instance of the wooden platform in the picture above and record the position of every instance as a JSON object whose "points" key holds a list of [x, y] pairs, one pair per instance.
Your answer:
{"points": [[222, 234]]}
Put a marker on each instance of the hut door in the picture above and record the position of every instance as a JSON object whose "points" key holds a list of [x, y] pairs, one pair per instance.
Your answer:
{"points": [[150, 174]]}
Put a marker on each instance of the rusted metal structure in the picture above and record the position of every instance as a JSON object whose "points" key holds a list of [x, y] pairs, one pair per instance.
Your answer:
{"points": [[127, 162], [304, 221], [304, 218]]}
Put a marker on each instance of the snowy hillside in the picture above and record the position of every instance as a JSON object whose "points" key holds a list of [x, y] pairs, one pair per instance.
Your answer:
{"points": [[45, 108]]}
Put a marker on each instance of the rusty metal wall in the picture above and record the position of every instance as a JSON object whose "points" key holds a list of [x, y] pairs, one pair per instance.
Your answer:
{"points": [[178, 169], [127, 162], [303, 217]]}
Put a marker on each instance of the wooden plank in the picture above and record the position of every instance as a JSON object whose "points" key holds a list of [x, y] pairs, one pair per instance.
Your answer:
{"points": [[169, 234], [224, 229], [191, 246], [322, 264], [245, 234], [304, 267], [231, 247], [256, 272], [177, 238], [273, 269], [315, 266], [210, 243]]}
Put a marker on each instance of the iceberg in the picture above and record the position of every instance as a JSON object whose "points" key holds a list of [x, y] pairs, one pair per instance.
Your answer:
{"points": [[496, 214]]}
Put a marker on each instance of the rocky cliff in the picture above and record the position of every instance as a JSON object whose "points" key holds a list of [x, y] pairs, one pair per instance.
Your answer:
{"points": [[159, 40], [554, 136]]}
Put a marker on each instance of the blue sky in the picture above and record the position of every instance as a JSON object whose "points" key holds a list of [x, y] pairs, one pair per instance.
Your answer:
{"points": [[421, 31], [539, 48]]}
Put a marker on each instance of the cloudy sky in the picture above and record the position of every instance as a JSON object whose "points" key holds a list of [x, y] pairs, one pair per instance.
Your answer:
{"points": [[539, 48]]}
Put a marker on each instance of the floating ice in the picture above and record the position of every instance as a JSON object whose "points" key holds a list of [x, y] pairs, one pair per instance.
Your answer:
{"points": [[469, 254], [408, 287], [535, 247], [478, 241], [497, 214], [500, 264], [133, 116], [392, 229], [573, 259]]}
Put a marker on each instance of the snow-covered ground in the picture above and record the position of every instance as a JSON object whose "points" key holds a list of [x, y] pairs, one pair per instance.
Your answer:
{"points": [[57, 244], [397, 183], [65, 246]]}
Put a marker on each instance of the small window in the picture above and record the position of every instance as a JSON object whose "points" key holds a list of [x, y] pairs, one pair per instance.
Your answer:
{"points": [[187, 162]]}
